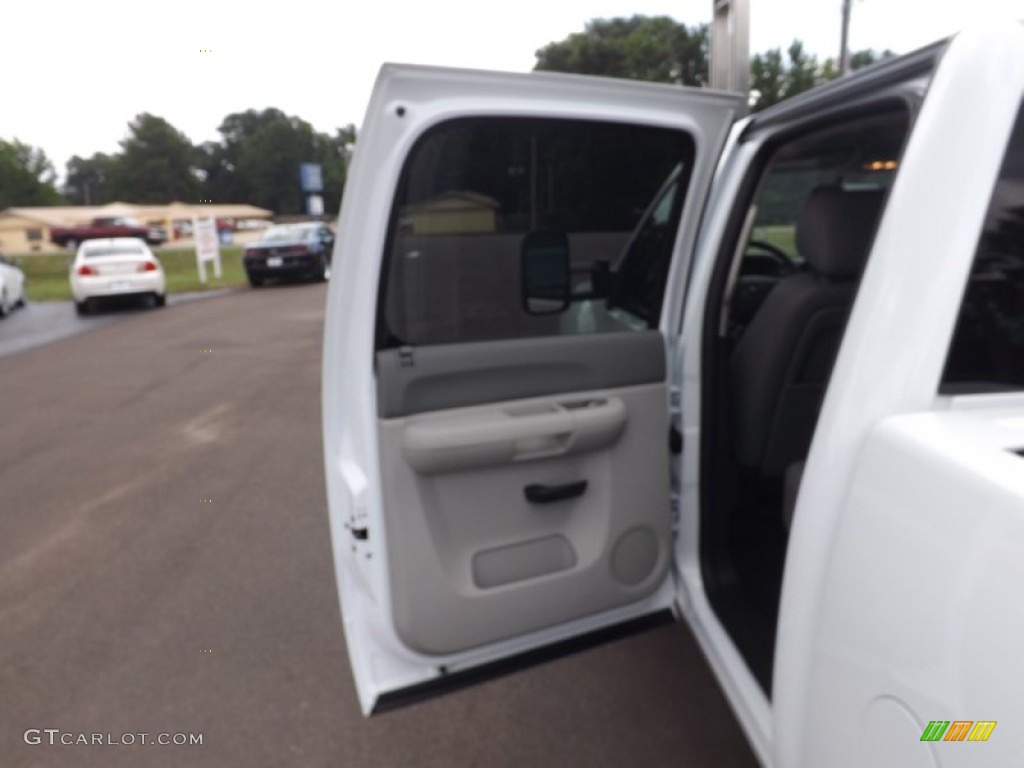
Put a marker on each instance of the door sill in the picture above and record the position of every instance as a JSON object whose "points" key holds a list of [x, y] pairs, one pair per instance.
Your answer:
{"points": [[454, 681]]}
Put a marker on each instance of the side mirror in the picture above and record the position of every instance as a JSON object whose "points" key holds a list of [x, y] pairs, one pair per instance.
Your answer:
{"points": [[545, 274]]}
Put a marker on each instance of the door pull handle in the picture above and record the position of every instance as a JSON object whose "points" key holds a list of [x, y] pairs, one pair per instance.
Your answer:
{"points": [[537, 493]]}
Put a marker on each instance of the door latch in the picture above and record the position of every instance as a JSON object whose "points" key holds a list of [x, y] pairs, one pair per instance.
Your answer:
{"points": [[675, 440]]}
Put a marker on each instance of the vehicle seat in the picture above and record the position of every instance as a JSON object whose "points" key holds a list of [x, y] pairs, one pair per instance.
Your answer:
{"points": [[781, 365]]}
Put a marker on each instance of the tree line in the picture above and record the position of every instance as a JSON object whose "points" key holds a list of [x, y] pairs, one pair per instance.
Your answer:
{"points": [[660, 49], [255, 161], [257, 157]]}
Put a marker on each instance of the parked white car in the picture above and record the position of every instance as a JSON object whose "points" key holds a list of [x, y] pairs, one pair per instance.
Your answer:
{"points": [[791, 414], [116, 268], [12, 286]]}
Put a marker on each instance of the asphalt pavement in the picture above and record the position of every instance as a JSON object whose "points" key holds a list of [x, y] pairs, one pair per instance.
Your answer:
{"points": [[40, 322], [165, 568]]}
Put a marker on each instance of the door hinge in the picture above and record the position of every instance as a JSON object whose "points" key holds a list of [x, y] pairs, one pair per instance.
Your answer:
{"points": [[405, 357]]}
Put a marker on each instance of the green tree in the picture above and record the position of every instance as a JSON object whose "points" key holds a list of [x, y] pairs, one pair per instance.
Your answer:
{"points": [[662, 50], [88, 180], [767, 78], [773, 79], [26, 176], [867, 57], [803, 71], [257, 160], [829, 71], [157, 164], [653, 48]]}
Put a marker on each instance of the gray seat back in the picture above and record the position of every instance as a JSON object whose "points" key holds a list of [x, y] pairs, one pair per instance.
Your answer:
{"points": [[781, 366]]}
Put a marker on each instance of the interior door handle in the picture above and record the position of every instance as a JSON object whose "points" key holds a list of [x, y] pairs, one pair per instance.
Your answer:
{"points": [[545, 494]]}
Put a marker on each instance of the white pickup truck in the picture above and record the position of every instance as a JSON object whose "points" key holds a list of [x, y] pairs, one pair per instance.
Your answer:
{"points": [[600, 353]]}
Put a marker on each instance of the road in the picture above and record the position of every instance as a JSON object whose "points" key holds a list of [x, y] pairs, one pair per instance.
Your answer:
{"points": [[41, 322], [165, 568]]}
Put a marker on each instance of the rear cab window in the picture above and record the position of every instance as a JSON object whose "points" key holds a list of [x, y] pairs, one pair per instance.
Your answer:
{"points": [[987, 351]]}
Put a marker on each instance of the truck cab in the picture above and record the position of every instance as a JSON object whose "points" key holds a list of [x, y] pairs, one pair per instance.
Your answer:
{"points": [[604, 353]]}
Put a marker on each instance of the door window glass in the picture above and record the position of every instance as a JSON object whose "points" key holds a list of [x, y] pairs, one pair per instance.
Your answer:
{"points": [[474, 188]]}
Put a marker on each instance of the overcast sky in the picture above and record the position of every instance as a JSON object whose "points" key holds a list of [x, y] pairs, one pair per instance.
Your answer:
{"points": [[75, 73]]}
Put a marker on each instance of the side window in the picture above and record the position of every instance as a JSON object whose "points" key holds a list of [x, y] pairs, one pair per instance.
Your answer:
{"points": [[474, 188], [987, 352]]}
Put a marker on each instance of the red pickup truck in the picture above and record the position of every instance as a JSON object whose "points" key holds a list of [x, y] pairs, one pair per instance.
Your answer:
{"points": [[120, 226]]}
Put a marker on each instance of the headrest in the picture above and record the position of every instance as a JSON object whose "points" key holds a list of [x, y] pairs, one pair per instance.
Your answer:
{"points": [[835, 229]]}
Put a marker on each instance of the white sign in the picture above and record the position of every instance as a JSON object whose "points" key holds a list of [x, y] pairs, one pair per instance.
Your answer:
{"points": [[204, 230]]}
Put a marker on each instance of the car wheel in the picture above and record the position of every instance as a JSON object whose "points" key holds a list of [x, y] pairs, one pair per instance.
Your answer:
{"points": [[159, 300], [4, 308], [82, 307], [255, 282], [325, 269]]}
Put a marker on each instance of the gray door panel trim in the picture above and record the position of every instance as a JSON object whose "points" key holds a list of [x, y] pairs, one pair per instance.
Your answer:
{"points": [[455, 375]]}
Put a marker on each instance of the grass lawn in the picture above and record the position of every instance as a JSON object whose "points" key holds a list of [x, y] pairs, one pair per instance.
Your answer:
{"points": [[46, 275], [780, 235]]}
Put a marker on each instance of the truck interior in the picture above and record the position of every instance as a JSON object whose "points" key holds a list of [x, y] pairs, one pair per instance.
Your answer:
{"points": [[782, 290]]}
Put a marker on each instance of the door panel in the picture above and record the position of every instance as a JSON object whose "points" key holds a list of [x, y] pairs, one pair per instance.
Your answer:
{"points": [[498, 480], [474, 560], [453, 375]]}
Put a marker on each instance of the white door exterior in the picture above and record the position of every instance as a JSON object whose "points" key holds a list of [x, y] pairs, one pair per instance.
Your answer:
{"points": [[442, 565]]}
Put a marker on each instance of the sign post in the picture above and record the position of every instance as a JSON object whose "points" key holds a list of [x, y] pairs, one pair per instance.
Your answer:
{"points": [[730, 46], [311, 178], [844, 37], [204, 230]]}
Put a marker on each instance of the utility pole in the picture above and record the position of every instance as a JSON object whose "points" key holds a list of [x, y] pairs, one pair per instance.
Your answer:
{"points": [[730, 46], [844, 53]]}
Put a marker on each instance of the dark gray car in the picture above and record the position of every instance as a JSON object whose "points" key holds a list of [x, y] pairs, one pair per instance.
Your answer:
{"points": [[290, 251]]}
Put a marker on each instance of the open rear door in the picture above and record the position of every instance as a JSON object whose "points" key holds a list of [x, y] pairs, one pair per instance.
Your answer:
{"points": [[496, 424]]}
